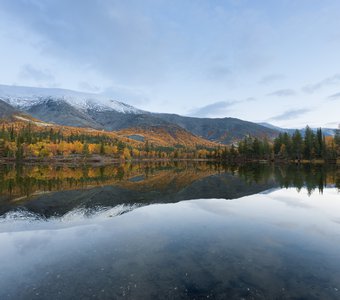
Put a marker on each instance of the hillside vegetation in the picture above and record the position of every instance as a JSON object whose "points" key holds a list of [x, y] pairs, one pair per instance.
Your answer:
{"points": [[26, 139]]}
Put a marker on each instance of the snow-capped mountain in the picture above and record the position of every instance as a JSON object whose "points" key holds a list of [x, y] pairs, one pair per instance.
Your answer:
{"points": [[70, 108], [26, 97]]}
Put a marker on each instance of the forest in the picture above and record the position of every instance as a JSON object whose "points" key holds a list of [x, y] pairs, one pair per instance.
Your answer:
{"points": [[29, 142], [23, 142], [310, 146]]}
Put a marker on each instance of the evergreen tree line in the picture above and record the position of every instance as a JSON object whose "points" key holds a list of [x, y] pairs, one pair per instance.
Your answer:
{"points": [[313, 145], [310, 146]]}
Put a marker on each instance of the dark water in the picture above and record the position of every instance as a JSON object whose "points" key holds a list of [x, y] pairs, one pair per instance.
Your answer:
{"points": [[162, 231]]}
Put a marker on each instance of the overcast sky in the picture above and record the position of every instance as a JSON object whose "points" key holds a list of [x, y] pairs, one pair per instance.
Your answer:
{"points": [[263, 61]]}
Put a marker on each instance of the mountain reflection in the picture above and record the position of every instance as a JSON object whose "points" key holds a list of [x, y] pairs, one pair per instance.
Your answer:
{"points": [[57, 190]]}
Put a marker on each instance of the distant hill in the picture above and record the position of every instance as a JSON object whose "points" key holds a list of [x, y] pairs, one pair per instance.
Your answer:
{"points": [[325, 131], [70, 108]]}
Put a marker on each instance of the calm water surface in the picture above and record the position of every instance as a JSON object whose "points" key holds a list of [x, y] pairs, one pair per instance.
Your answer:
{"points": [[162, 231]]}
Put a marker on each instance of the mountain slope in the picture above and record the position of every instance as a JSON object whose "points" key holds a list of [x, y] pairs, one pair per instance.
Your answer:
{"points": [[70, 108], [7, 111], [169, 135], [156, 133], [113, 120], [223, 130], [62, 113]]}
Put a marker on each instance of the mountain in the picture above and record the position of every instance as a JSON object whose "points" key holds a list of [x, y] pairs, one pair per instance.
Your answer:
{"points": [[6, 110], [70, 108], [64, 107], [325, 131], [222, 130], [161, 134], [114, 120], [62, 113], [26, 97]]}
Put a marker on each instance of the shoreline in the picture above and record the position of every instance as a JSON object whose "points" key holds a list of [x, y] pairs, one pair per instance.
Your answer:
{"points": [[107, 160]]}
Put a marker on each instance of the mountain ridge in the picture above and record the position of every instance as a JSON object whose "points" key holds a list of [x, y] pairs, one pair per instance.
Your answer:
{"points": [[325, 131], [78, 109], [23, 97]]}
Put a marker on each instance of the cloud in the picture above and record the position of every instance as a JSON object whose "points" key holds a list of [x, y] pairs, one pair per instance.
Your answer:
{"points": [[88, 87], [133, 96], [290, 114], [271, 78], [334, 124], [283, 93], [178, 53], [334, 96], [145, 42], [33, 73], [115, 38], [218, 72], [211, 109], [216, 108], [312, 88]]}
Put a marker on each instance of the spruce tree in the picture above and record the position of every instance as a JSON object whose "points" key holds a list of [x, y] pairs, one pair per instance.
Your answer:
{"points": [[297, 144], [308, 143]]}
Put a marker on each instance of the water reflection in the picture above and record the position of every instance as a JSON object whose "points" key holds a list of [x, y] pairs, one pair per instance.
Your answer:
{"points": [[278, 245], [131, 231], [50, 191], [26, 180]]}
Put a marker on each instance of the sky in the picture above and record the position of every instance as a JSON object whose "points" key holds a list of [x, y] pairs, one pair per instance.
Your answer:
{"points": [[257, 60]]}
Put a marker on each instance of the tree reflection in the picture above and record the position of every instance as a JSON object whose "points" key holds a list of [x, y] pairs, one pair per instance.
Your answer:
{"points": [[25, 180]]}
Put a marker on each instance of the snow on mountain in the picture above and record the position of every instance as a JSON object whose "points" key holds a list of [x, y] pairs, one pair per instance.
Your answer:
{"points": [[26, 97]]}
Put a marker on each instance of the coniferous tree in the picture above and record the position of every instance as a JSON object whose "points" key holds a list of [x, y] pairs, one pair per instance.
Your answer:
{"points": [[297, 145], [2, 147], [102, 148], [19, 154], [256, 148], [85, 149], [308, 143], [278, 143], [337, 137], [319, 143]]}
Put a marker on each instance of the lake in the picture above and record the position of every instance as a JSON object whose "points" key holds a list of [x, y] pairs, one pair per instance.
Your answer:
{"points": [[170, 231]]}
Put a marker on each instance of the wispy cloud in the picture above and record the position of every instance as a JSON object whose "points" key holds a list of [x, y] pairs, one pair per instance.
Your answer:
{"points": [[88, 87], [216, 108], [211, 109], [271, 78], [171, 56], [218, 72], [333, 124], [290, 114], [36, 74], [124, 94], [312, 88], [283, 93], [334, 97]]}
